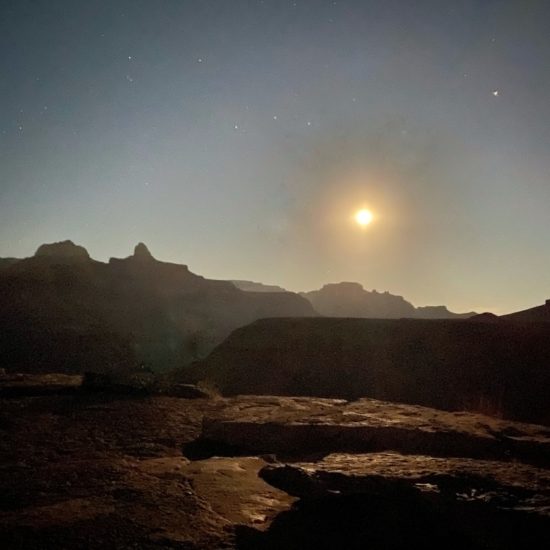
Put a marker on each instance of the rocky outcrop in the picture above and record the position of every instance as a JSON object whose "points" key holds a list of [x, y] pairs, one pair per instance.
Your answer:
{"points": [[141, 253], [63, 251], [496, 368], [382, 475], [301, 427], [106, 471], [386, 500], [507, 484]]}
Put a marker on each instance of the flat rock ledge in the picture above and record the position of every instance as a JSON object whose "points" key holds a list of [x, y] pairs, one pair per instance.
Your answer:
{"points": [[506, 485], [295, 428]]}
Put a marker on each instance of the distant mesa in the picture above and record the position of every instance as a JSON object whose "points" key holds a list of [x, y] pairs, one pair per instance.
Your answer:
{"points": [[350, 299], [64, 250]]}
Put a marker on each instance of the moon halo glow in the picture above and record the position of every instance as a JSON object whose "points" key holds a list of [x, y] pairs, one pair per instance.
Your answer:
{"points": [[363, 217]]}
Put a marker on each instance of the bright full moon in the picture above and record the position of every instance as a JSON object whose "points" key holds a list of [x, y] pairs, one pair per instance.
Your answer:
{"points": [[363, 217]]}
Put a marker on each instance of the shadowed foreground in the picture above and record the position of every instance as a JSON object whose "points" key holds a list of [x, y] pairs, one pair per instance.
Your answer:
{"points": [[99, 469]]}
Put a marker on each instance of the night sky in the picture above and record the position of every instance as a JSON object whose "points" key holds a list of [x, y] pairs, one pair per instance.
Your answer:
{"points": [[240, 137]]}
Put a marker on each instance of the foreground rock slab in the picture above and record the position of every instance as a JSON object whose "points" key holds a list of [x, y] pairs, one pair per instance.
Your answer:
{"points": [[296, 427], [506, 485], [389, 500], [104, 470]]}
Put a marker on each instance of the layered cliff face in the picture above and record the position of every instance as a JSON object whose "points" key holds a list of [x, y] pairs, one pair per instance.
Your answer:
{"points": [[63, 311]]}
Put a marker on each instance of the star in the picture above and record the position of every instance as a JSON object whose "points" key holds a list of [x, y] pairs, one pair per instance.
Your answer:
{"points": [[236, 127], [496, 93], [130, 58], [200, 60], [308, 123], [274, 117]]}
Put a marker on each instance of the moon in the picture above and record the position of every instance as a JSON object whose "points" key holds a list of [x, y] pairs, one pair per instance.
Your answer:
{"points": [[363, 217]]}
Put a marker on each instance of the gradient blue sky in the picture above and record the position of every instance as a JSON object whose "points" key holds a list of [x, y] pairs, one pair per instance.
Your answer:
{"points": [[239, 137]]}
